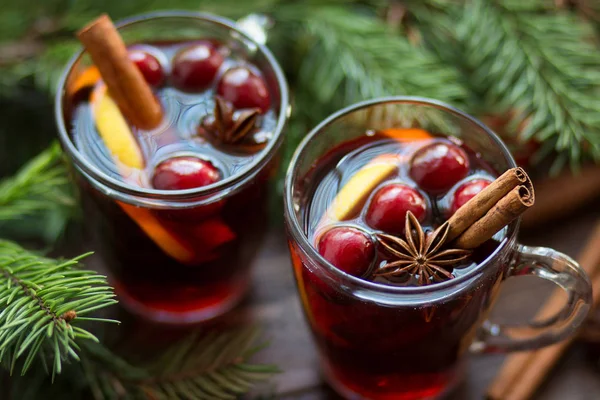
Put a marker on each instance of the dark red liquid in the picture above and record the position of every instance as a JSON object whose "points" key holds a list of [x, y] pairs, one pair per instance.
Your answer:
{"points": [[376, 348], [174, 264], [153, 284]]}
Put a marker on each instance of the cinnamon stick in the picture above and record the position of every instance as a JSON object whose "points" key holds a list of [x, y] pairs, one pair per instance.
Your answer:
{"points": [[479, 205], [522, 373], [124, 80], [506, 210]]}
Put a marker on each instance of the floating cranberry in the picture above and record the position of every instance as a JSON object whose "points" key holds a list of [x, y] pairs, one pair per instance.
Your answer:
{"points": [[466, 192], [349, 249], [195, 67], [439, 166], [149, 66], [184, 173], [387, 211], [244, 89]]}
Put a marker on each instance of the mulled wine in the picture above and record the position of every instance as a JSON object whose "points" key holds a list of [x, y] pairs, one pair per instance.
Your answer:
{"points": [[366, 187], [179, 249]]}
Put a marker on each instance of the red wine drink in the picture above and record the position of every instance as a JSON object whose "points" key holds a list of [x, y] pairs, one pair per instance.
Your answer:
{"points": [[413, 350], [179, 209], [394, 298]]}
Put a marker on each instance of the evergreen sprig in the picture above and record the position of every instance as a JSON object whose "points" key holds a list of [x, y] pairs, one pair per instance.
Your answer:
{"points": [[39, 185], [347, 56], [38, 201], [213, 365], [543, 66], [43, 301]]}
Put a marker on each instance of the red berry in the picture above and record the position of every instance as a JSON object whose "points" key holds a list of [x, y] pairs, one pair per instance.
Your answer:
{"points": [[244, 89], [387, 211], [349, 249], [195, 67], [466, 192], [439, 166], [149, 66], [184, 173]]}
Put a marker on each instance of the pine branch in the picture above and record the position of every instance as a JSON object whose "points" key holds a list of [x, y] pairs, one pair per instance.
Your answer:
{"points": [[40, 194], [210, 366], [347, 56], [40, 183], [43, 302], [543, 66]]}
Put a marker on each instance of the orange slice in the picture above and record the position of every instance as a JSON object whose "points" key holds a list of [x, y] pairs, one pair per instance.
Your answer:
{"points": [[406, 134], [157, 232], [89, 77], [121, 143], [114, 130], [355, 192], [298, 272], [213, 233]]}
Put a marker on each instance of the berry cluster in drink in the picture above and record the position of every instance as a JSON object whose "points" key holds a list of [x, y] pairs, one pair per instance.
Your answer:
{"points": [[369, 187], [187, 78]]}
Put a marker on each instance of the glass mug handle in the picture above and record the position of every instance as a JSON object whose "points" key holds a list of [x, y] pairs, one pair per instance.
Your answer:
{"points": [[558, 268]]}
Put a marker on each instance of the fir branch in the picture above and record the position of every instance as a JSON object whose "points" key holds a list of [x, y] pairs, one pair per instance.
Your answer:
{"points": [[348, 56], [39, 200], [40, 184], [543, 66], [214, 365], [43, 302]]}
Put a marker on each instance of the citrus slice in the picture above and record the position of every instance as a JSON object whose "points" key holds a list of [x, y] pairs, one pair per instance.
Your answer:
{"points": [[157, 232], [124, 149], [114, 130], [298, 267], [89, 77], [355, 192], [406, 134], [213, 233]]}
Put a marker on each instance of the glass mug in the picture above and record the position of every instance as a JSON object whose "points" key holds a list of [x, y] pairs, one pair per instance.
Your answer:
{"points": [[383, 342], [149, 281]]}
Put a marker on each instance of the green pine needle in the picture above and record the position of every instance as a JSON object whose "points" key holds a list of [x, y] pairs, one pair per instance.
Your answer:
{"points": [[41, 299], [38, 201], [214, 365], [39, 185], [543, 65], [348, 56]]}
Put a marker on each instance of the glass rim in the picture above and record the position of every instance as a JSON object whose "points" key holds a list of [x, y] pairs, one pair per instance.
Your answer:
{"points": [[92, 172], [297, 232]]}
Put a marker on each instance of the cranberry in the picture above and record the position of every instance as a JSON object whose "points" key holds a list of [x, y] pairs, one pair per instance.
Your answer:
{"points": [[439, 166], [195, 67], [184, 173], [244, 89], [348, 249], [149, 66], [387, 211], [466, 192]]}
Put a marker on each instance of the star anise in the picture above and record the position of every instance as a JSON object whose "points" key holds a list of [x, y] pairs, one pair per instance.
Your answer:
{"points": [[420, 254], [226, 127]]}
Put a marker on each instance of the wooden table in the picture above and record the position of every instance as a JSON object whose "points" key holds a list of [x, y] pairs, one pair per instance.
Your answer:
{"points": [[275, 304]]}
